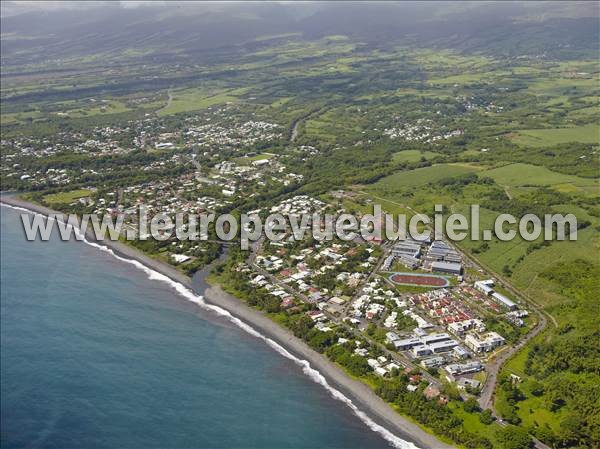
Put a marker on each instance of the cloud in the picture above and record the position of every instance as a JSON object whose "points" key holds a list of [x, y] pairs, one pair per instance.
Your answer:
{"points": [[22, 6], [129, 4]]}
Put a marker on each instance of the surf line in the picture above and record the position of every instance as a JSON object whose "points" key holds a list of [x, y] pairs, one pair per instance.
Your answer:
{"points": [[309, 371]]}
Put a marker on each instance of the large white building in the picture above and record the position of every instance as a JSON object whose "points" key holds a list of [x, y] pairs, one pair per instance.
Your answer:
{"points": [[484, 343], [485, 287], [460, 327]]}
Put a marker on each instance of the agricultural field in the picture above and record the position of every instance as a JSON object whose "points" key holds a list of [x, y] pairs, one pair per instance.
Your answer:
{"points": [[547, 137], [421, 176], [526, 175], [196, 99]]}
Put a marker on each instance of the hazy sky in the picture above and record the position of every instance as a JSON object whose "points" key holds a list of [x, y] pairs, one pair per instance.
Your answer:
{"points": [[12, 7]]}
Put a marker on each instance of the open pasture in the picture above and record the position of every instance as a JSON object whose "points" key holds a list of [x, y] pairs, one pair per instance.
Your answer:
{"points": [[552, 136]]}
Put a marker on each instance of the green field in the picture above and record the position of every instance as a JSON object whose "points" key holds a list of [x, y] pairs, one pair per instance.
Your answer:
{"points": [[421, 176], [553, 136], [471, 421], [413, 155], [66, 197], [196, 99], [516, 175]]}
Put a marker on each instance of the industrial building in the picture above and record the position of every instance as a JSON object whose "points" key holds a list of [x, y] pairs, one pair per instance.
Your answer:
{"points": [[486, 287], [407, 343], [433, 338], [391, 337], [440, 251], [387, 263], [504, 301], [407, 248], [460, 353], [421, 350], [447, 267], [426, 345], [408, 252]]}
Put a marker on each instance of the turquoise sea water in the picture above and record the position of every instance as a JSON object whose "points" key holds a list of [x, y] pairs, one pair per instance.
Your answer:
{"points": [[96, 355]]}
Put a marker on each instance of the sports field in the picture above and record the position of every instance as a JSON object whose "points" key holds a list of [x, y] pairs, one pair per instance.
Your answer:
{"points": [[419, 280]]}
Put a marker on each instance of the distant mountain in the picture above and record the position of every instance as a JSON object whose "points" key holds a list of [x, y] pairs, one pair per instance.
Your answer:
{"points": [[34, 35], [81, 32], [507, 28]]}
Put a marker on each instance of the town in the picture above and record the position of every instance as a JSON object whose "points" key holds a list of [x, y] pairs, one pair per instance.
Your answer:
{"points": [[413, 300], [474, 340]]}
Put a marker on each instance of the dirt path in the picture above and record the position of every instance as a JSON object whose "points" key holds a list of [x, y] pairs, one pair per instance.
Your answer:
{"points": [[295, 130]]}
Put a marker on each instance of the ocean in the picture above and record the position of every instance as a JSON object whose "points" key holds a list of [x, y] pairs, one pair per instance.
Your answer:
{"points": [[95, 354]]}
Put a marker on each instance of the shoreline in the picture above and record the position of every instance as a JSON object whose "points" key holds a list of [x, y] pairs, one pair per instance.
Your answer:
{"points": [[362, 399]]}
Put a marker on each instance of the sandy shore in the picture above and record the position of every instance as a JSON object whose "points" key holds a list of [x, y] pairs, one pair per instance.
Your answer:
{"points": [[360, 394]]}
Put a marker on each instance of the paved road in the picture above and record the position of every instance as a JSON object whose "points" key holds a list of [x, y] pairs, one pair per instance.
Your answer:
{"points": [[486, 399]]}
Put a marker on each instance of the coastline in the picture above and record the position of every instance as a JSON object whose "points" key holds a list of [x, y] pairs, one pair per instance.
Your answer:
{"points": [[355, 394]]}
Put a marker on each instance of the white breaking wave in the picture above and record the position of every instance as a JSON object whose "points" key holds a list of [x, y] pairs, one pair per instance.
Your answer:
{"points": [[312, 373]]}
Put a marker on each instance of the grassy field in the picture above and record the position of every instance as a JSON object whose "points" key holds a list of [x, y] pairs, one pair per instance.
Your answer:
{"points": [[109, 107], [412, 189], [515, 175], [552, 136], [557, 84], [68, 110], [531, 410], [20, 117], [413, 155], [66, 197], [421, 176], [196, 99], [471, 421]]}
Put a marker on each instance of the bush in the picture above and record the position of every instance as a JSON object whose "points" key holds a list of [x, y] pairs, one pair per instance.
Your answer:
{"points": [[471, 405], [486, 417], [512, 437]]}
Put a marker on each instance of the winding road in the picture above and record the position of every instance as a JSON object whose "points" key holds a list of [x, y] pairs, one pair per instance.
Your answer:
{"points": [[169, 101]]}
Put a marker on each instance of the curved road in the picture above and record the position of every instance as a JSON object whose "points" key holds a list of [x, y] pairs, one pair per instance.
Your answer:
{"points": [[486, 399], [169, 101]]}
